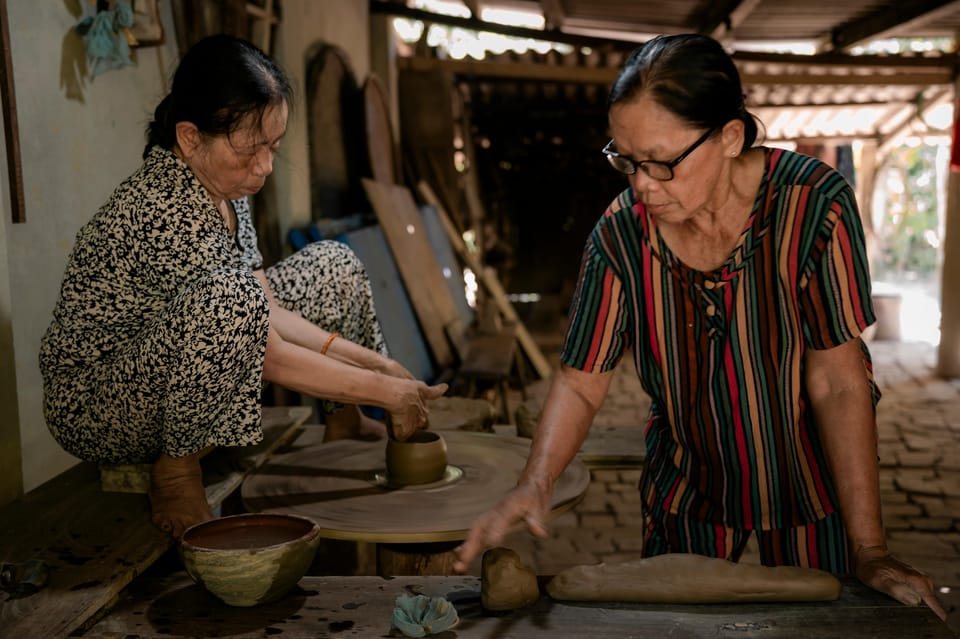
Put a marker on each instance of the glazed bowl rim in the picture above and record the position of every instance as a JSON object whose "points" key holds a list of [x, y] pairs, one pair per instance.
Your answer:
{"points": [[312, 532]]}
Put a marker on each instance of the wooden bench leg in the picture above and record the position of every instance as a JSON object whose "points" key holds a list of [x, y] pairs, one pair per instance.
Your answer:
{"points": [[504, 386]]}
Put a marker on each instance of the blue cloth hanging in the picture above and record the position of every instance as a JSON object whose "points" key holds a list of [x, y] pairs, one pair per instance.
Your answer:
{"points": [[104, 37]]}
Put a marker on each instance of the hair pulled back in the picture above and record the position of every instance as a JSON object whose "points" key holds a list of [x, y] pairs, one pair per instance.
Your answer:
{"points": [[691, 76], [220, 82]]}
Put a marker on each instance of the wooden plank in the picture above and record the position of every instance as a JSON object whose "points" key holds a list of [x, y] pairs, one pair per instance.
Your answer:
{"points": [[401, 331], [94, 543], [422, 275], [491, 283], [381, 147], [447, 258], [175, 607]]}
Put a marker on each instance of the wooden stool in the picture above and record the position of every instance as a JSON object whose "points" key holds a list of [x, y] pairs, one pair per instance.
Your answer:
{"points": [[130, 478]]}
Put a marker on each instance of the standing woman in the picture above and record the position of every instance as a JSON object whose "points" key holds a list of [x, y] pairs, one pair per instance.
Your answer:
{"points": [[736, 277], [167, 325]]}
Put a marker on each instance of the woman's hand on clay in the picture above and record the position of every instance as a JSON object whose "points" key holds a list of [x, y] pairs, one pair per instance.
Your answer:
{"points": [[411, 412], [529, 502], [880, 570]]}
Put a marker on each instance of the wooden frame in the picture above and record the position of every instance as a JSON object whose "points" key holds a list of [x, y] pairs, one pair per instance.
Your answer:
{"points": [[147, 26]]}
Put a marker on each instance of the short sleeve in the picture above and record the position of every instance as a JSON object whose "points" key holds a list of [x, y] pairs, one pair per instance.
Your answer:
{"points": [[835, 298], [247, 235], [596, 334]]}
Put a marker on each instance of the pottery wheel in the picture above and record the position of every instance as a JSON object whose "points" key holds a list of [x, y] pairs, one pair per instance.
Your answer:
{"points": [[343, 487]]}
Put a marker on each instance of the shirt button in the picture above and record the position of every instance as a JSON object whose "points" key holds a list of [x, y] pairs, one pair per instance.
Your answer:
{"points": [[711, 310], [709, 284]]}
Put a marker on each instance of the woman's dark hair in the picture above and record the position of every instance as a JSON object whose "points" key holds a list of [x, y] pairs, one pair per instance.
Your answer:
{"points": [[692, 77], [219, 83]]}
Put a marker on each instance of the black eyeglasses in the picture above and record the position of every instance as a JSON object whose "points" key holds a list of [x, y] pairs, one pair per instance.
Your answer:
{"points": [[662, 171]]}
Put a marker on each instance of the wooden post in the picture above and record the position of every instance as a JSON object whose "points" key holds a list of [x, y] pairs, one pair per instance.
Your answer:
{"points": [[867, 169], [10, 126], [435, 558], [948, 353]]}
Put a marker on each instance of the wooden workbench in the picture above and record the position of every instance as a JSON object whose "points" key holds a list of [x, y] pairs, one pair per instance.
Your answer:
{"points": [[173, 607]]}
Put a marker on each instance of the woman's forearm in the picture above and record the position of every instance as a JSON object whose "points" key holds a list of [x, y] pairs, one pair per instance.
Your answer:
{"points": [[848, 431], [840, 396], [568, 411], [304, 370], [295, 329]]}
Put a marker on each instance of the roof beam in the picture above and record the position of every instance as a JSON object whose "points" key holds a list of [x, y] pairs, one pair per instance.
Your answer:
{"points": [[549, 35], [553, 13], [721, 19], [606, 75], [901, 15], [843, 60]]}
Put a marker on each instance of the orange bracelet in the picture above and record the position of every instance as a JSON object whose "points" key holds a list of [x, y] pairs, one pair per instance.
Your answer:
{"points": [[333, 336]]}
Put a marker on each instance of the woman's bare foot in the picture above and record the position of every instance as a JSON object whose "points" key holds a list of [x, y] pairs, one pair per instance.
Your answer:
{"points": [[351, 423], [178, 499]]}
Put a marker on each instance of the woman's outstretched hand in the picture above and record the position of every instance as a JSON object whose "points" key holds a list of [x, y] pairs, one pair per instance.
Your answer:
{"points": [[880, 570], [529, 502], [411, 414]]}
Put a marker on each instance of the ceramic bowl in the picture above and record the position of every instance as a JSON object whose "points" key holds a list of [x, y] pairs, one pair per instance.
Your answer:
{"points": [[250, 559], [420, 459]]}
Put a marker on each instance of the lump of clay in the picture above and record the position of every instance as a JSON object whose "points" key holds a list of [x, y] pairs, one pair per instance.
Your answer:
{"points": [[688, 578], [505, 582]]}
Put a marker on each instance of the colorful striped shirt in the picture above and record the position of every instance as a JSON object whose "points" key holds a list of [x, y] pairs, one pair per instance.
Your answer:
{"points": [[731, 437]]}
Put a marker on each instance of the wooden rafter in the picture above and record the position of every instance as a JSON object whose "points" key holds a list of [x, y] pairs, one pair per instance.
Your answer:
{"points": [[841, 60], [475, 7], [900, 15], [553, 13], [605, 75], [549, 35], [919, 110], [721, 19]]}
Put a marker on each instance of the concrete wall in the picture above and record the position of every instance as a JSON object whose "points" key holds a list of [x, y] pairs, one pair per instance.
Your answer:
{"points": [[11, 480], [79, 138], [308, 23]]}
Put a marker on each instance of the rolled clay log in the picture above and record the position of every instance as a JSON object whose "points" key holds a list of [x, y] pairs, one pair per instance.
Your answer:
{"points": [[689, 578], [505, 582]]}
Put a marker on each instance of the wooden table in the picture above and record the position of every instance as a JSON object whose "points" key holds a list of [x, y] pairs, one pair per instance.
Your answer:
{"points": [[174, 607]]}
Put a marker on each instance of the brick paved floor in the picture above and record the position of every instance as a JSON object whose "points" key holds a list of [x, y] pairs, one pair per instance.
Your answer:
{"points": [[919, 429]]}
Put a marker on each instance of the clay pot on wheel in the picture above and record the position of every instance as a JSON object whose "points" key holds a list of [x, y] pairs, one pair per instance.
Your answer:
{"points": [[420, 459], [250, 559]]}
